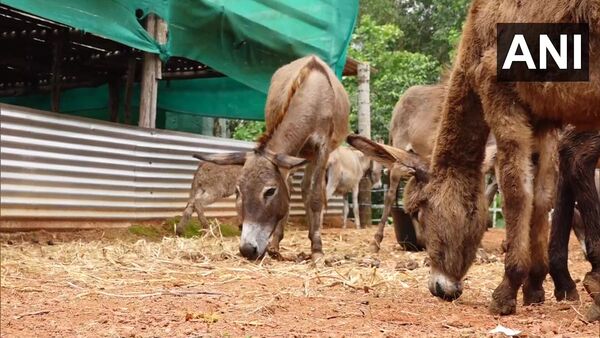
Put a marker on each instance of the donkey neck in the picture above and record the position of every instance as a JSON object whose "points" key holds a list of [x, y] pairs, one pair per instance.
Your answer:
{"points": [[289, 140], [461, 139]]}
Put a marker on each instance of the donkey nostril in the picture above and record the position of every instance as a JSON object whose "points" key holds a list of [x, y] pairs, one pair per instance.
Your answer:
{"points": [[438, 290], [249, 251]]}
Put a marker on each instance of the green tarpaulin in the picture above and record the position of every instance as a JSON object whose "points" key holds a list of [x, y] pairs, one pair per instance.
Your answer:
{"points": [[247, 40]]}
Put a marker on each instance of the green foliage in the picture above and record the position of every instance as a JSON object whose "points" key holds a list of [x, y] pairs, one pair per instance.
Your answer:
{"points": [[230, 230], [396, 71], [248, 130], [430, 27], [193, 228], [144, 231]]}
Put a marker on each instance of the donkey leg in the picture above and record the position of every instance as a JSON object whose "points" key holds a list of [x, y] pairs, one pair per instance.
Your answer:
{"points": [[544, 183], [588, 205], [185, 217], [345, 212], [390, 197], [277, 236], [579, 230], [510, 124], [355, 208], [564, 286], [317, 201], [199, 206], [308, 194]]}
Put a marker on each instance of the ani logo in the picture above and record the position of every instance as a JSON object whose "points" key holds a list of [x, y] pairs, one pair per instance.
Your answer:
{"points": [[543, 52]]}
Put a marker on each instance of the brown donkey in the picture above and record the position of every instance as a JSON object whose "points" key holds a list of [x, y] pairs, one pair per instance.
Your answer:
{"points": [[447, 196], [415, 120], [211, 182], [579, 153], [307, 118]]}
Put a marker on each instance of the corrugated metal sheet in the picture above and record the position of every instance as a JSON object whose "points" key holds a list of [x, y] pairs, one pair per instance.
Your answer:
{"points": [[57, 166]]}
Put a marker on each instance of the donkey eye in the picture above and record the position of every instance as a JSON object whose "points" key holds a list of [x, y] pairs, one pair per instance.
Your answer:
{"points": [[270, 192]]}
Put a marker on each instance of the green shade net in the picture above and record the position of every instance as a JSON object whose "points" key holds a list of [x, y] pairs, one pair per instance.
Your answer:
{"points": [[247, 40]]}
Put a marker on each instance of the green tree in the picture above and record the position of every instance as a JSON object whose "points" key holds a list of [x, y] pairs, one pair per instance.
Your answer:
{"points": [[248, 130], [431, 27], [394, 71]]}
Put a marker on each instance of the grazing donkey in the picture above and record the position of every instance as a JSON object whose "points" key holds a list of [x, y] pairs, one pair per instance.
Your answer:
{"points": [[415, 120], [345, 168], [211, 182], [306, 119], [579, 153], [447, 197], [578, 225]]}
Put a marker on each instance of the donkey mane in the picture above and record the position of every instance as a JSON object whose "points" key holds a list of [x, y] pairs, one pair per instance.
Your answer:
{"points": [[279, 108]]}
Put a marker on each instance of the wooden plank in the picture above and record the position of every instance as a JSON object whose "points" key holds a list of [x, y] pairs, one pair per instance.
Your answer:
{"points": [[113, 98], [148, 79], [131, 65], [56, 74]]}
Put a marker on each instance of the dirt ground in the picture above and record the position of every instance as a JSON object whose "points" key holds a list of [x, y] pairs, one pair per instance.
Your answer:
{"points": [[115, 284]]}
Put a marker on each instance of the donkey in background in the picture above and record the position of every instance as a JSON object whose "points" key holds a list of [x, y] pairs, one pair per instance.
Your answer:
{"points": [[578, 153], [345, 168], [413, 127]]}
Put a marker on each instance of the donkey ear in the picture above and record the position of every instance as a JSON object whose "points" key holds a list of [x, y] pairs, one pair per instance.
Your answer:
{"points": [[288, 162], [224, 158], [390, 155], [283, 161], [371, 149]]}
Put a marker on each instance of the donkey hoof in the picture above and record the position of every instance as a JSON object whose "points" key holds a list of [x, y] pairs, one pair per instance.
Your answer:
{"points": [[591, 283], [275, 255], [593, 313], [533, 296], [503, 307], [570, 295], [374, 247], [317, 256]]}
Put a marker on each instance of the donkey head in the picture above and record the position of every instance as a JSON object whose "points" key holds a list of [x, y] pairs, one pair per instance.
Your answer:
{"points": [[262, 194], [451, 245]]}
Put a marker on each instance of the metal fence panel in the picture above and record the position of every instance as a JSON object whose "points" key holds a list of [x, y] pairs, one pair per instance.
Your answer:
{"points": [[60, 167]]}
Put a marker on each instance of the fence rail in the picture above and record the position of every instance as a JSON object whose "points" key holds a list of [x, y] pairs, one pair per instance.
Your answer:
{"points": [[59, 167]]}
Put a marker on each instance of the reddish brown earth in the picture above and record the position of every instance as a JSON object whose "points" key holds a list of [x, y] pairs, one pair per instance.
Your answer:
{"points": [[114, 284]]}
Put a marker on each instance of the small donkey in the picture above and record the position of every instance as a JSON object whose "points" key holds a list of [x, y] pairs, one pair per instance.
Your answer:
{"points": [[345, 168], [211, 182]]}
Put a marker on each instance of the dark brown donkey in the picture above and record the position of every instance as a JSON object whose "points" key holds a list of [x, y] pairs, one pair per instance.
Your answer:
{"points": [[447, 196], [307, 118], [579, 153]]}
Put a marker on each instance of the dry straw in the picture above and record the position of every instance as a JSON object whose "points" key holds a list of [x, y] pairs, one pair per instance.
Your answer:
{"points": [[106, 266]]}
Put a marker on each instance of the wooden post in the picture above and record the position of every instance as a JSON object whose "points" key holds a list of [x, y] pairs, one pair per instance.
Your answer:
{"points": [[113, 97], [364, 128], [129, 87], [57, 54], [364, 100], [208, 126], [217, 128], [151, 72]]}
